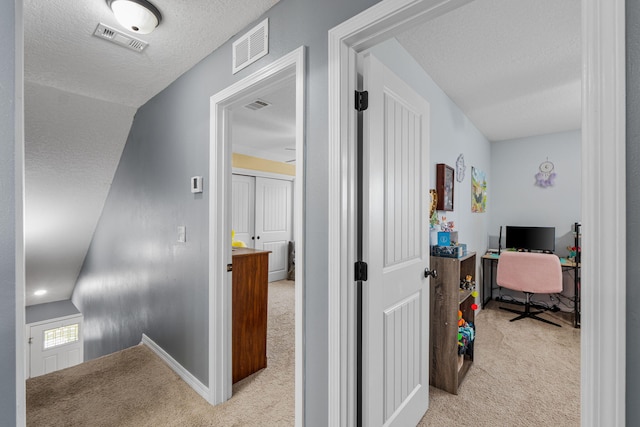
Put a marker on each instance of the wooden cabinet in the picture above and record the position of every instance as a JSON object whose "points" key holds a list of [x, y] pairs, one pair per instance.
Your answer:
{"points": [[249, 296], [447, 368]]}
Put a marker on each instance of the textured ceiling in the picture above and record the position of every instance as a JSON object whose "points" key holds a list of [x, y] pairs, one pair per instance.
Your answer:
{"points": [[513, 66], [61, 52], [81, 94], [269, 132]]}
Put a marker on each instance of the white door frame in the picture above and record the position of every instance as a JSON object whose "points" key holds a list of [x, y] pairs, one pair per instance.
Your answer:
{"points": [[603, 184], [220, 382]]}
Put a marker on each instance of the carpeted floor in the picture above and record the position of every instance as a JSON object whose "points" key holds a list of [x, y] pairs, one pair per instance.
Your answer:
{"points": [[134, 387], [525, 373]]}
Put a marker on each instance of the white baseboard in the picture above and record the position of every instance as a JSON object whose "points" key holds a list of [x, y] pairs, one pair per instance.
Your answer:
{"points": [[187, 376]]}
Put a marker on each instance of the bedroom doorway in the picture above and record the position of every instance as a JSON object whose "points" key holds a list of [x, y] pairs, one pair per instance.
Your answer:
{"points": [[603, 175], [286, 72]]}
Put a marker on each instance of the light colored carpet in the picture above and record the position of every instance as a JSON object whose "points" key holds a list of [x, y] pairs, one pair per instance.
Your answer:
{"points": [[524, 373], [134, 387]]}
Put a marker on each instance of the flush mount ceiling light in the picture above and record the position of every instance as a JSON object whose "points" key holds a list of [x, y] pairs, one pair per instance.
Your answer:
{"points": [[138, 16], [40, 292]]}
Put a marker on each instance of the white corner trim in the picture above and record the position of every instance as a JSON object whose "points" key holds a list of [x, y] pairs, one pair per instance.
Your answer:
{"points": [[603, 350], [298, 235], [20, 272], [187, 376]]}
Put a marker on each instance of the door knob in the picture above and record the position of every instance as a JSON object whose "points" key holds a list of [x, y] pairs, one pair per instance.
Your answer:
{"points": [[432, 273]]}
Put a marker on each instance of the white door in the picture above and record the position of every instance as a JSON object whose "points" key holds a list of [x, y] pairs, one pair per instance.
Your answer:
{"points": [[243, 189], [55, 345], [274, 223], [395, 215]]}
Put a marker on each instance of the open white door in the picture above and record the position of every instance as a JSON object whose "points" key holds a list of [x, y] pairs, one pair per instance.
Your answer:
{"points": [[395, 299], [243, 190]]}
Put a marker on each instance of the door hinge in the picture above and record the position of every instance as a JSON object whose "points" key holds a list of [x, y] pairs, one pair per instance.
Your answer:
{"points": [[229, 267], [361, 272], [30, 340], [362, 100]]}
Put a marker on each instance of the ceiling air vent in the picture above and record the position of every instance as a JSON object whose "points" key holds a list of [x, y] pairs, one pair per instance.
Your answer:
{"points": [[107, 33], [251, 46], [257, 104]]}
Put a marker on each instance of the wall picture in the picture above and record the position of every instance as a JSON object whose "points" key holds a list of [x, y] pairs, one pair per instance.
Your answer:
{"points": [[478, 190], [444, 187]]}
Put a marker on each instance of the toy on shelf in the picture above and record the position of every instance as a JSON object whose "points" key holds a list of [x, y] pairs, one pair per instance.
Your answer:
{"points": [[446, 225], [466, 333], [468, 283], [573, 252]]}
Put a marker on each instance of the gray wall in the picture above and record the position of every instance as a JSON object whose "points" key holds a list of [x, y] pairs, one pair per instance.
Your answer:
{"points": [[633, 208], [7, 215], [514, 164], [136, 278]]}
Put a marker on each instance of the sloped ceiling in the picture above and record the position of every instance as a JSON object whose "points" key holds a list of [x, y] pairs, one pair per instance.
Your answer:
{"points": [[81, 94]]}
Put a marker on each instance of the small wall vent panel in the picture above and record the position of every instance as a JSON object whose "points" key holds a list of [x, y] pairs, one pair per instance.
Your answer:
{"points": [[251, 46], [110, 34], [257, 105]]}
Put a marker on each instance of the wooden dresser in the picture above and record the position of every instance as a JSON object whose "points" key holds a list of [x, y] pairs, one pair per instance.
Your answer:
{"points": [[249, 295]]}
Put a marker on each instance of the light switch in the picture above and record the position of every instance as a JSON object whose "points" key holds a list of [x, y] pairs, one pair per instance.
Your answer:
{"points": [[182, 234], [196, 184]]}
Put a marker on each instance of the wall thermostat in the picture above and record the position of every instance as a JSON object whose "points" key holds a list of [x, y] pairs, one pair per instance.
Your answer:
{"points": [[196, 184]]}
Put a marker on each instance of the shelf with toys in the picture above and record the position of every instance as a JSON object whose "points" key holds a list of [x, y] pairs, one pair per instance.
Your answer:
{"points": [[452, 320]]}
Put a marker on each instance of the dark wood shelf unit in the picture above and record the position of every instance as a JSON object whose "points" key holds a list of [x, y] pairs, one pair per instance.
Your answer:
{"points": [[446, 369]]}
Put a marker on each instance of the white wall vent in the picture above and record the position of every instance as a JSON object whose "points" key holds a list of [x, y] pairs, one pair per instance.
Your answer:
{"points": [[110, 34], [251, 46]]}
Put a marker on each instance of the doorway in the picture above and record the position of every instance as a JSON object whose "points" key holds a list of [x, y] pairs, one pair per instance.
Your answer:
{"points": [[287, 68], [262, 129], [603, 174]]}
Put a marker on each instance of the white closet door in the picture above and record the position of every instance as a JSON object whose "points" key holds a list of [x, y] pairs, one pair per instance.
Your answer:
{"points": [[274, 222], [243, 208]]}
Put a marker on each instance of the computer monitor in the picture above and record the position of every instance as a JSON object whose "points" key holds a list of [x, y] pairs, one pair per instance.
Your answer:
{"points": [[531, 238]]}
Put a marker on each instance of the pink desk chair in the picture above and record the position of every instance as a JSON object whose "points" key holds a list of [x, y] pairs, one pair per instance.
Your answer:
{"points": [[531, 273]]}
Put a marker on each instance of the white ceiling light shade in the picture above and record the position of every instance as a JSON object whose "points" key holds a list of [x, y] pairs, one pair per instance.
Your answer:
{"points": [[138, 16]]}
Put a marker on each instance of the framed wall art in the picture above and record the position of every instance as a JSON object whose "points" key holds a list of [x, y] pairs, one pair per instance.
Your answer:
{"points": [[478, 191], [445, 177]]}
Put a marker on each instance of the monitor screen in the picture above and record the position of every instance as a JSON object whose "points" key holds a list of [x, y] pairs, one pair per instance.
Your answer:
{"points": [[531, 238]]}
